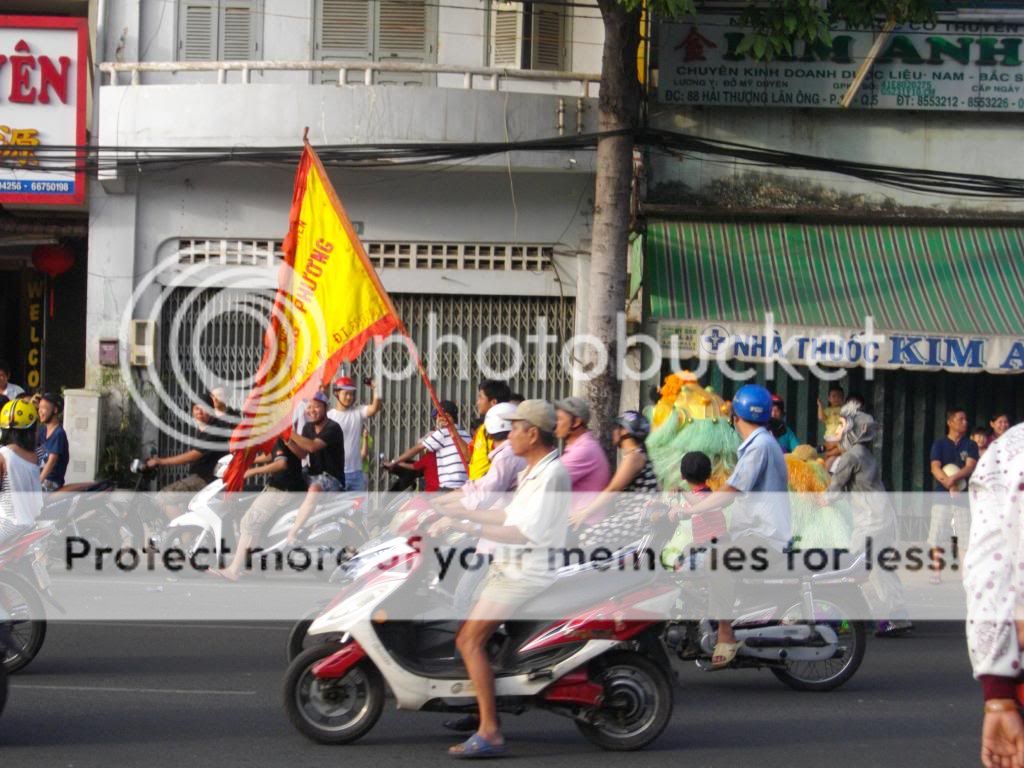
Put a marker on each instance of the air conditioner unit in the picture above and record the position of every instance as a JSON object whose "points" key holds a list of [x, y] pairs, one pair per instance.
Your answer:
{"points": [[142, 345]]}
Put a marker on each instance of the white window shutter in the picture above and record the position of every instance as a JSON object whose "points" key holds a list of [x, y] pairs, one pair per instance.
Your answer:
{"points": [[506, 34], [344, 29], [402, 30], [238, 24], [197, 30], [547, 39]]}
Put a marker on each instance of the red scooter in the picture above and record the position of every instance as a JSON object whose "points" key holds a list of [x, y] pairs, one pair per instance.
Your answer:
{"points": [[24, 582]]}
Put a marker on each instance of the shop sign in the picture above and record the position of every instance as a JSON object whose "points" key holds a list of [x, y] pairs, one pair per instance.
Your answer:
{"points": [[35, 291], [43, 64], [712, 340], [942, 65]]}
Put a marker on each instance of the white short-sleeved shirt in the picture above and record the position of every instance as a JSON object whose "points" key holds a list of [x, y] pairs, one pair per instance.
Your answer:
{"points": [[12, 391], [540, 510], [351, 420]]}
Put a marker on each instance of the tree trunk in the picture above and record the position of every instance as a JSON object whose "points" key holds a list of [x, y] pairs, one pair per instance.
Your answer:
{"points": [[619, 109]]}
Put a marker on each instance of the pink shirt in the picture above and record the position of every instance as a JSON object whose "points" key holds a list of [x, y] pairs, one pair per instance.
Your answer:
{"points": [[589, 471]]}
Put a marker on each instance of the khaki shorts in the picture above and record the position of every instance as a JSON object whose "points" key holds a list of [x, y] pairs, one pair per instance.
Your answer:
{"points": [[267, 505], [510, 593], [174, 494]]}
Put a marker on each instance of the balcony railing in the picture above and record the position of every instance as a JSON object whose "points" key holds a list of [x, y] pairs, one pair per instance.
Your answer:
{"points": [[584, 85]]}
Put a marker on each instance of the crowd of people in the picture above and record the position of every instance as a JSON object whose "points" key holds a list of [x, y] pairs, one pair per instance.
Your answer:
{"points": [[533, 477]]}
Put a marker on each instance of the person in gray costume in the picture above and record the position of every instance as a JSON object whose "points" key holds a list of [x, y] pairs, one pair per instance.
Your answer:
{"points": [[856, 472]]}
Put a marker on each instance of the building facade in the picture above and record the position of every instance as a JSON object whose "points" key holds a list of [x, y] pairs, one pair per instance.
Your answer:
{"points": [[45, 81], [827, 219], [472, 247]]}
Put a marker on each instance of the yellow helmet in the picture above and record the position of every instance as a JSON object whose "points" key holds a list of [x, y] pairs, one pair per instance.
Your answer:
{"points": [[18, 414]]}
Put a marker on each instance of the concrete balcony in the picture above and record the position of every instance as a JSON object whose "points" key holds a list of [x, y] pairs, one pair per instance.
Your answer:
{"points": [[218, 104]]}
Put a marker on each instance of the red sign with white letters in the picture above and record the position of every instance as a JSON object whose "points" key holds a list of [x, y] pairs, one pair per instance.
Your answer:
{"points": [[43, 98]]}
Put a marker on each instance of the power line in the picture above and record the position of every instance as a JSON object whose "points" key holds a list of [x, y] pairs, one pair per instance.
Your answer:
{"points": [[139, 159]]}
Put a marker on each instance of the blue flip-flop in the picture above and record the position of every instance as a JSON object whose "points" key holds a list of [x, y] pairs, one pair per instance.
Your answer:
{"points": [[477, 747]]}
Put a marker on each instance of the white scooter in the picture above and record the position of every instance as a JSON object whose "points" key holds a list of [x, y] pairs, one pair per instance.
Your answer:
{"points": [[609, 675], [209, 525]]}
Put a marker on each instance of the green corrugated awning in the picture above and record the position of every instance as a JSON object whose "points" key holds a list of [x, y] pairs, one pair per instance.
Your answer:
{"points": [[958, 282]]}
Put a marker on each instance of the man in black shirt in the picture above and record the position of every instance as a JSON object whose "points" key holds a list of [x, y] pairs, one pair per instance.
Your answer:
{"points": [[323, 441], [285, 483], [209, 446]]}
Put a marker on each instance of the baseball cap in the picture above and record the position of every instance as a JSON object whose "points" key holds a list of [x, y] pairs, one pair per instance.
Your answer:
{"points": [[345, 384], [448, 407], [538, 413], [575, 406], [320, 397], [498, 418]]}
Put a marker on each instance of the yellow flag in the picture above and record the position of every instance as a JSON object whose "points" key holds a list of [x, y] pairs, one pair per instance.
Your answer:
{"points": [[329, 304]]}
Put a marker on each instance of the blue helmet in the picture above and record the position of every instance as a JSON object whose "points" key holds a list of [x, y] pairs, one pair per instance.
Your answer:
{"points": [[635, 424], [753, 403]]}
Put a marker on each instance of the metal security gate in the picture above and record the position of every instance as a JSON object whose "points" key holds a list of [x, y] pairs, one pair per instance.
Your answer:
{"points": [[230, 346]]}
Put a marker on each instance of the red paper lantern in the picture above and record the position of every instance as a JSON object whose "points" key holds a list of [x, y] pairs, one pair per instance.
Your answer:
{"points": [[52, 260]]}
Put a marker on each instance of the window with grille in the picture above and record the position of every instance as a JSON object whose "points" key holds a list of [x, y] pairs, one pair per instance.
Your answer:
{"points": [[505, 257], [219, 30], [529, 35]]}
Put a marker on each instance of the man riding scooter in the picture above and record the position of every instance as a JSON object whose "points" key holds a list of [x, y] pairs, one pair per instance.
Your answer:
{"points": [[763, 519], [210, 445], [534, 523]]}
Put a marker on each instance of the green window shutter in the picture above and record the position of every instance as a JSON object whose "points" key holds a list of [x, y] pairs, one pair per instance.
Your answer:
{"points": [[197, 30], [547, 39], [506, 34], [344, 29], [238, 25]]}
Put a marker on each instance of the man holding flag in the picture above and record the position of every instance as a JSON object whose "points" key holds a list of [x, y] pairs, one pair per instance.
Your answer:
{"points": [[329, 304]]}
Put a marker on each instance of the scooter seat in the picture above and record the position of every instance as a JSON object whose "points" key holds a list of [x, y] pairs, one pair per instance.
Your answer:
{"points": [[586, 586], [96, 487]]}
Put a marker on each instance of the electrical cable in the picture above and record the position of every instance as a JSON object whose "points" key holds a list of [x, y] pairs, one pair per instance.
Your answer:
{"points": [[106, 159]]}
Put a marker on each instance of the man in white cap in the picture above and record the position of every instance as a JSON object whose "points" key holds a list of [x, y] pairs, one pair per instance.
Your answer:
{"points": [[352, 420], [533, 524]]}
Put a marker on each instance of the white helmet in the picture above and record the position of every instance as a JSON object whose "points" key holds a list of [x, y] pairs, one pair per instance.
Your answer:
{"points": [[498, 418]]}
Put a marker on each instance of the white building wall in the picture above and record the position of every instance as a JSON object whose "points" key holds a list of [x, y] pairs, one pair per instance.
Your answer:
{"points": [[528, 198]]}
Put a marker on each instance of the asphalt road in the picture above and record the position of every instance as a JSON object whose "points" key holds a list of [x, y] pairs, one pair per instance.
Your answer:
{"points": [[176, 694]]}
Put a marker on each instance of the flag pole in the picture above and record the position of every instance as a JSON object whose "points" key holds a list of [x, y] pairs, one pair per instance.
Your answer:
{"points": [[460, 445]]}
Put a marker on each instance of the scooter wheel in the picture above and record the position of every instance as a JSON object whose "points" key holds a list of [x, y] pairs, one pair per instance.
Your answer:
{"points": [[21, 602], [637, 703], [828, 674], [332, 711]]}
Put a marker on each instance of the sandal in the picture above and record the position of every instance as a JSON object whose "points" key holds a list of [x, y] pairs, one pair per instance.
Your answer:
{"points": [[475, 747], [724, 654]]}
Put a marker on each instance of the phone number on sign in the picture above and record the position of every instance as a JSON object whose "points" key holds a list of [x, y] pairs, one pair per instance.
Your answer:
{"points": [[64, 187]]}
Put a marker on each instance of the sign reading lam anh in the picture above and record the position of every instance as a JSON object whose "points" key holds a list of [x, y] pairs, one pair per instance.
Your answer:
{"points": [[942, 65], [43, 64]]}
